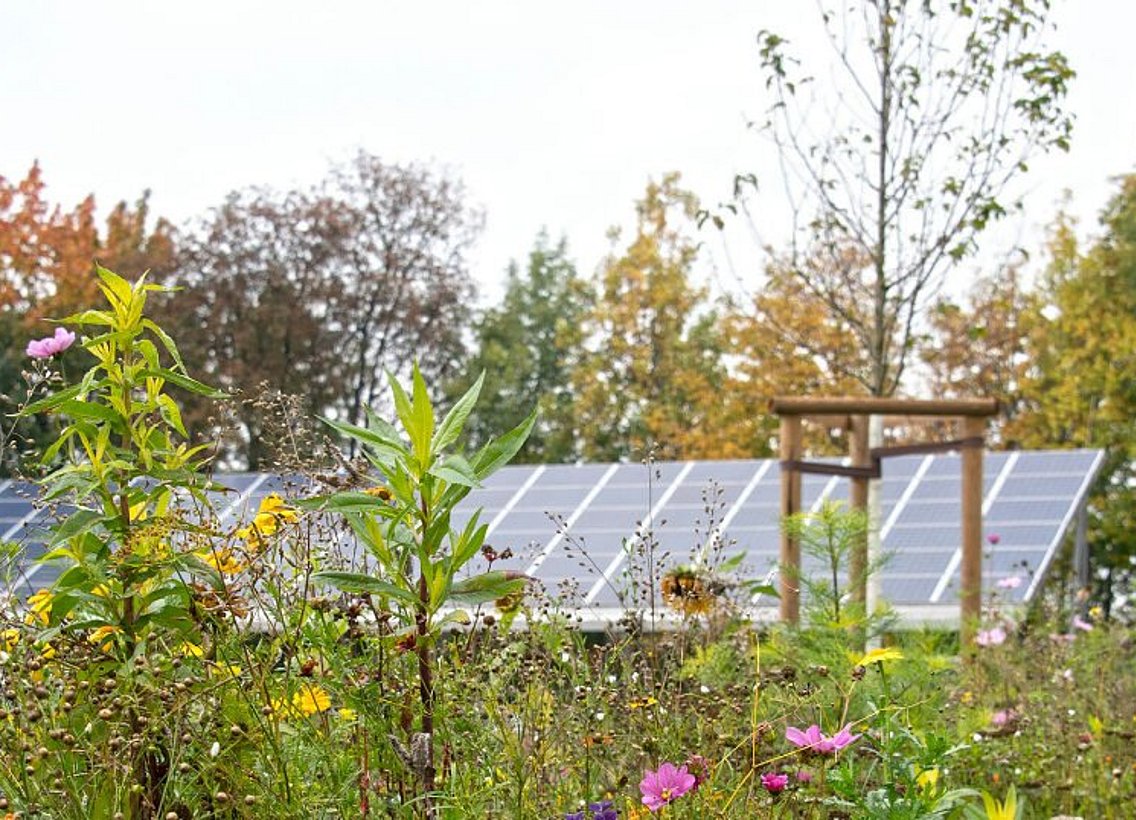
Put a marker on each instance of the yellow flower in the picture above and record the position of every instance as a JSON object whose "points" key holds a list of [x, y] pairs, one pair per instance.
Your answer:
{"points": [[48, 652], [222, 560], [101, 591], [880, 655], [269, 516], [191, 650], [224, 670], [928, 779], [381, 493], [101, 637], [311, 698], [643, 703], [8, 639], [40, 604], [347, 714]]}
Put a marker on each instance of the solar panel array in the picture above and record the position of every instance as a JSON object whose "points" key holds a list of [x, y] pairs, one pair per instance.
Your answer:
{"points": [[579, 525]]}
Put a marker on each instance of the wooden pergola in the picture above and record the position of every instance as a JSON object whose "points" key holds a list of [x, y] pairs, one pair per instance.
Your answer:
{"points": [[853, 414]]}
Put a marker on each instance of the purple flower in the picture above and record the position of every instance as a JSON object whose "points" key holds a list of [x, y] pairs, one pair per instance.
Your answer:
{"points": [[46, 348], [804, 776], [774, 782], [603, 810], [812, 739], [993, 539], [1010, 582], [990, 637], [574, 815], [667, 784]]}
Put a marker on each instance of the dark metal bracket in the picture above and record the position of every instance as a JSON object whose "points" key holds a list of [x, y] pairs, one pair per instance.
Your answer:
{"points": [[878, 454]]}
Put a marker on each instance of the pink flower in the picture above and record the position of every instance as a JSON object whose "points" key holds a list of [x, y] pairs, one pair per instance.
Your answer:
{"points": [[990, 637], [1003, 717], [804, 776], [1010, 582], [46, 348], [812, 739], [669, 783], [1081, 624], [993, 539], [774, 783]]}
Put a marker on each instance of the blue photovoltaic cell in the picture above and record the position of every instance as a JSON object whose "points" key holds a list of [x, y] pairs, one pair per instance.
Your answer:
{"points": [[1034, 503]]}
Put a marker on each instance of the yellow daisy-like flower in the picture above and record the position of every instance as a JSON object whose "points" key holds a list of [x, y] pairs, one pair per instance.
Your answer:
{"points": [[643, 703], [101, 637], [273, 512], [381, 493], [311, 698], [224, 670], [191, 650], [222, 560], [40, 605], [9, 638], [347, 714], [880, 655], [686, 592], [928, 779]]}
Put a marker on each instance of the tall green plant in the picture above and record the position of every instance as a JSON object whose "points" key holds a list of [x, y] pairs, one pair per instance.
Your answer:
{"points": [[118, 464], [405, 525]]}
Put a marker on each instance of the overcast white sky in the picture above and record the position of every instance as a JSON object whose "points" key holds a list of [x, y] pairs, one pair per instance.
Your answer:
{"points": [[554, 114]]}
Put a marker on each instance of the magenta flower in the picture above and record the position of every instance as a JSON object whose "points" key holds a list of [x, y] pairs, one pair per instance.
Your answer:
{"points": [[774, 783], [813, 739], [46, 348], [664, 786], [993, 539], [990, 637], [1010, 582]]}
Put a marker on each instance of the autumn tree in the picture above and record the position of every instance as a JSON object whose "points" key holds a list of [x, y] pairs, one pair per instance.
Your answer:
{"points": [[47, 257], [981, 345], [899, 163], [1080, 388], [526, 346], [785, 342], [315, 293], [651, 374]]}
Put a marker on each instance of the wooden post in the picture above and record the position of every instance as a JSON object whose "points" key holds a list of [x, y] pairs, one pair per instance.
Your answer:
{"points": [[858, 501], [789, 574], [970, 597]]}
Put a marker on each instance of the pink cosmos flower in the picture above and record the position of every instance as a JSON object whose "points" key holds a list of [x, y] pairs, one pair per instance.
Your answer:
{"points": [[990, 637], [813, 739], [774, 783], [1010, 582], [46, 348], [664, 786]]}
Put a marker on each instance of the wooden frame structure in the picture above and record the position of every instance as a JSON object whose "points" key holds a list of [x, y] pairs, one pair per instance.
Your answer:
{"points": [[853, 414]]}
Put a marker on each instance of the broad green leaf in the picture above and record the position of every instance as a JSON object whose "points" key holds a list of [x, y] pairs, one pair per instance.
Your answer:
{"points": [[489, 586], [423, 432], [451, 426], [347, 501], [378, 441], [53, 401], [732, 563], [186, 383], [499, 452], [361, 584], [455, 470], [78, 522]]}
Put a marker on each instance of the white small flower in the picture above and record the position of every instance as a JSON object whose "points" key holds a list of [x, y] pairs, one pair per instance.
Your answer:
{"points": [[978, 737], [215, 749], [612, 679], [599, 715], [1072, 712], [704, 689], [634, 677], [565, 656]]}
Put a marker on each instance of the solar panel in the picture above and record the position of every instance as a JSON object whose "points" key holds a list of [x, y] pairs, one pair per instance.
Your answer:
{"points": [[589, 525]]}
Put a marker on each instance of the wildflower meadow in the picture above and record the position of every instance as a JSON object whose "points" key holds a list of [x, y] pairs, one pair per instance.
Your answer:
{"points": [[187, 664]]}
